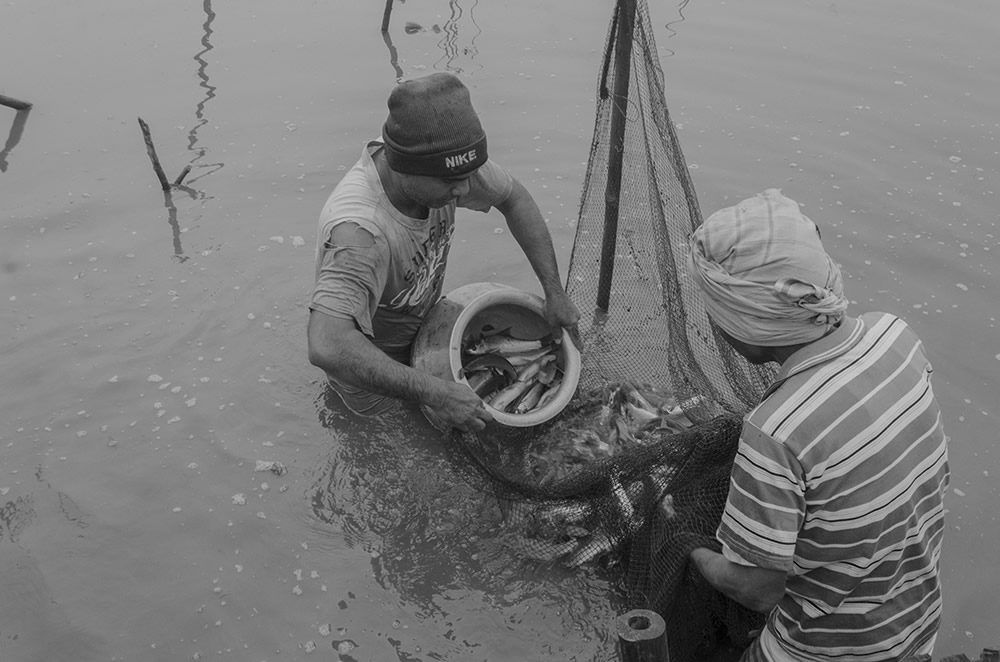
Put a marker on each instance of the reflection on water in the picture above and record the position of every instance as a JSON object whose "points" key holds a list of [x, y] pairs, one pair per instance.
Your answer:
{"points": [[459, 41], [670, 26], [395, 487], [14, 137], [393, 55], [199, 151], [459, 53], [199, 112], [175, 226]]}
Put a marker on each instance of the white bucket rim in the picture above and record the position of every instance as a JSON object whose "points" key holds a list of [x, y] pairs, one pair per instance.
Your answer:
{"points": [[571, 355]]}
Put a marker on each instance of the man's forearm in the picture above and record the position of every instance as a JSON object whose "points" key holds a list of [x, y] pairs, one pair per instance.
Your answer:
{"points": [[755, 588], [358, 362]]}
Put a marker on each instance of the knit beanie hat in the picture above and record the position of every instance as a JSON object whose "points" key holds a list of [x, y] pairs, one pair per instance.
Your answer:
{"points": [[432, 129]]}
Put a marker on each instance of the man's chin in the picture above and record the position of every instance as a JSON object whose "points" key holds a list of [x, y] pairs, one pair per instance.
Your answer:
{"points": [[440, 204]]}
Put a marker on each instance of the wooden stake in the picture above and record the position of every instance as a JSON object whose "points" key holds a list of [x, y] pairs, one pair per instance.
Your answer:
{"points": [[180, 177], [164, 184], [16, 104]]}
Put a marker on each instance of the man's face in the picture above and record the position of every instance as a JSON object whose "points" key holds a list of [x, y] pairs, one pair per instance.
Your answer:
{"points": [[434, 192]]}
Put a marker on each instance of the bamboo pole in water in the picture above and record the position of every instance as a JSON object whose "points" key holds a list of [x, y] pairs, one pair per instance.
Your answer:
{"points": [[642, 637], [619, 110], [180, 177], [16, 104], [157, 168]]}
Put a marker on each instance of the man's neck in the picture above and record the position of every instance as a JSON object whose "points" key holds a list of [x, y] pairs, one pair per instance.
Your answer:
{"points": [[393, 190], [782, 354]]}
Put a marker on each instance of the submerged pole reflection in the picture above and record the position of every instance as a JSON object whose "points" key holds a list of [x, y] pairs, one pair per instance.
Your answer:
{"points": [[193, 146], [458, 55], [199, 113], [393, 55], [14, 137], [670, 24], [454, 50]]}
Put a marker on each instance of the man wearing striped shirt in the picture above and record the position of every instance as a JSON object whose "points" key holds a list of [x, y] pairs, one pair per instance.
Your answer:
{"points": [[835, 514]]}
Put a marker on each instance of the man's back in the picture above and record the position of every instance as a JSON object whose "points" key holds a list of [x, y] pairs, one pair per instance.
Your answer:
{"points": [[840, 480]]}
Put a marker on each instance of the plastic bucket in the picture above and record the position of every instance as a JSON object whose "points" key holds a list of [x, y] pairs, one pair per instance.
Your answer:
{"points": [[471, 310]]}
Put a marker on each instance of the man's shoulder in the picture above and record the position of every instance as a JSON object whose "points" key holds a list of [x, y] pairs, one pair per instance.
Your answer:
{"points": [[354, 182], [848, 387], [872, 319], [491, 185], [354, 197]]}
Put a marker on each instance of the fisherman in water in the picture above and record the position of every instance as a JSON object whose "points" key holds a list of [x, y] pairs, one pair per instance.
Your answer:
{"points": [[835, 514], [383, 243]]}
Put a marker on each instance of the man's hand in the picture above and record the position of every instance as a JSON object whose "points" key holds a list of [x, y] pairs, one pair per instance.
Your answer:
{"points": [[336, 346], [759, 589], [456, 405], [529, 230], [561, 313]]}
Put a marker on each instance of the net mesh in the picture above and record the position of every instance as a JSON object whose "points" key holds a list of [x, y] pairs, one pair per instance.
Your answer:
{"points": [[606, 482]]}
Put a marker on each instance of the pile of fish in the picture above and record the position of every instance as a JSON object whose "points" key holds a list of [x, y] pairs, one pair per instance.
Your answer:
{"points": [[606, 423], [510, 374], [619, 416], [569, 530]]}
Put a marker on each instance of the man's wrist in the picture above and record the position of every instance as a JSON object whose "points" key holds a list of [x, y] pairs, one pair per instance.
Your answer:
{"points": [[431, 392]]}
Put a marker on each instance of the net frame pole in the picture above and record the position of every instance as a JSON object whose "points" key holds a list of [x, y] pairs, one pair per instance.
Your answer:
{"points": [[619, 111]]}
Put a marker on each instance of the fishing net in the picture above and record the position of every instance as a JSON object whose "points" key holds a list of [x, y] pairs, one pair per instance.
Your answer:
{"points": [[635, 471]]}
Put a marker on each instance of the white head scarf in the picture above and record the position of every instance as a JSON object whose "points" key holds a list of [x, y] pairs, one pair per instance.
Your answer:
{"points": [[764, 274]]}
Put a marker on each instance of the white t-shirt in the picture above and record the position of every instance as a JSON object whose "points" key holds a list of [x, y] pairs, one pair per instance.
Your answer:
{"points": [[389, 287]]}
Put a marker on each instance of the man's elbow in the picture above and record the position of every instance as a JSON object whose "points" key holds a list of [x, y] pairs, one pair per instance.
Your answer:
{"points": [[316, 358], [762, 603], [762, 600], [324, 355]]}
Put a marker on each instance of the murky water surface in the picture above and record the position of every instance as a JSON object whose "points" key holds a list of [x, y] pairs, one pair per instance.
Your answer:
{"points": [[154, 347]]}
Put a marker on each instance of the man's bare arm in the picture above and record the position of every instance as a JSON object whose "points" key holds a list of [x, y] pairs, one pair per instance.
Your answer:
{"points": [[532, 234], [336, 346], [756, 588]]}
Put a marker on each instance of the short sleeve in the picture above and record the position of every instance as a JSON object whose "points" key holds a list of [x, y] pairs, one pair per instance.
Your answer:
{"points": [[489, 187], [766, 504], [350, 281]]}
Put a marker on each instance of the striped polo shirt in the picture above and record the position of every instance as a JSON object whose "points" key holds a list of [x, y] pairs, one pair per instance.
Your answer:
{"points": [[839, 481]]}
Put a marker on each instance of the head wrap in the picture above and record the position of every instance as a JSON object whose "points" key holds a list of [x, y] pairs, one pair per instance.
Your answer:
{"points": [[432, 129], [765, 277]]}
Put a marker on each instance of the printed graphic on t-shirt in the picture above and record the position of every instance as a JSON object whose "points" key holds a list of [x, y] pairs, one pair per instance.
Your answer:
{"points": [[426, 275]]}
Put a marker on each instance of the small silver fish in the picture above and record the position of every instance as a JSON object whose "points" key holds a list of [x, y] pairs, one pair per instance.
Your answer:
{"points": [[530, 399], [504, 345], [505, 397], [524, 358], [598, 544], [628, 510], [667, 507], [551, 393], [561, 514]]}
